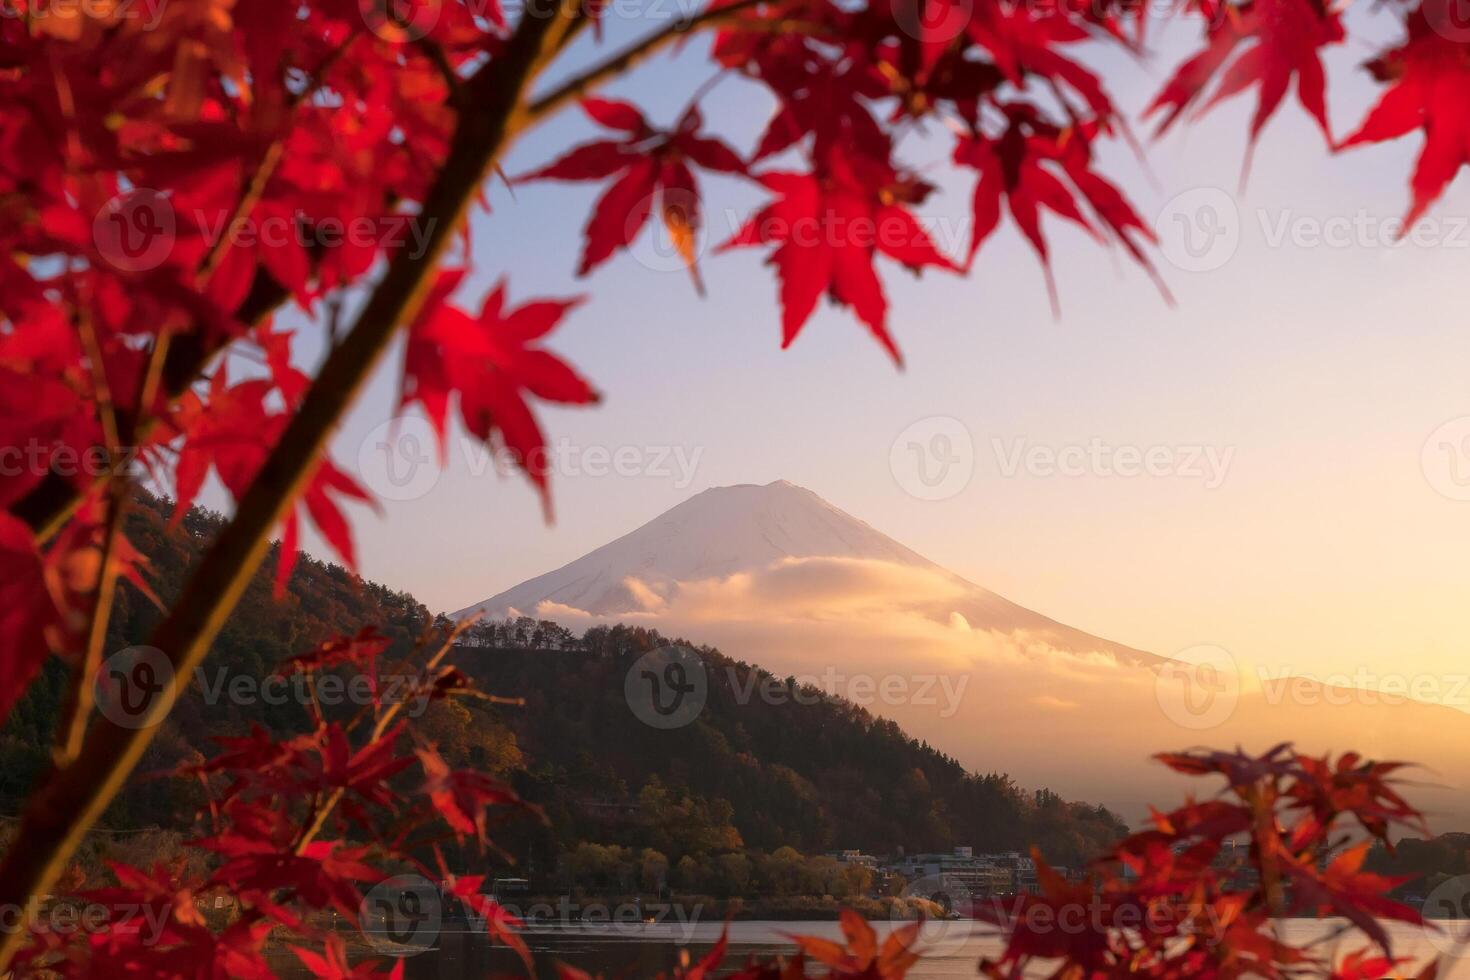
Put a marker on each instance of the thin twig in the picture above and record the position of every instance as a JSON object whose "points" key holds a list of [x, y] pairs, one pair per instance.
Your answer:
{"points": [[580, 84], [77, 708], [324, 809]]}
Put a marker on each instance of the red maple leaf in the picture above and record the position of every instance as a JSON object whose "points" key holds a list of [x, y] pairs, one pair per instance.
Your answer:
{"points": [[499, 923], [461, 796], [1364, 964], [861, 956], [234, 431], [490, 363], [1011, 171], [828, 226], [331, 963], [323, 875], [1288, 36], [361, 650], [1358, 896], [652, 167], [1427, 77], [824, 99]]}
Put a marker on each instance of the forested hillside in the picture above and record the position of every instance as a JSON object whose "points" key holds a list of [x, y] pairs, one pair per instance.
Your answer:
{"points": [[747, 778]]}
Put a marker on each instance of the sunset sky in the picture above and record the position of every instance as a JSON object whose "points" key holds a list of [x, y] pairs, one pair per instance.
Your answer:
{"points": [[1319, 372]]}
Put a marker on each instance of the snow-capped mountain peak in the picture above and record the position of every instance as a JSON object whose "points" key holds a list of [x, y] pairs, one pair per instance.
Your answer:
{"points": [[749, 529]]}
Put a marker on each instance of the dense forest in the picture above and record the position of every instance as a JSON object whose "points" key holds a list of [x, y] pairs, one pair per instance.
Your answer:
{"points": [[748, 790], [812, 772]]}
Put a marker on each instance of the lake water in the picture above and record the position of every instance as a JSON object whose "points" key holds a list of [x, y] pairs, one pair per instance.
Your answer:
{"points": [[952, 949]]}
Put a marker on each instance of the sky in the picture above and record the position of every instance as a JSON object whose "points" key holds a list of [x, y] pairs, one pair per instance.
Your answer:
{"points": [[1293, 515]]}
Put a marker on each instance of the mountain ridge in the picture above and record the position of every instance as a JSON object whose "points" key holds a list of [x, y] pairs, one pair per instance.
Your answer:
{"points": [[729, 531], [776, 575]]}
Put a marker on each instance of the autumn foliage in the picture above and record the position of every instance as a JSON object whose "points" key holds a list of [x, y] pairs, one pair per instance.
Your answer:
{"points": [[1199, 893], [174, 178]]}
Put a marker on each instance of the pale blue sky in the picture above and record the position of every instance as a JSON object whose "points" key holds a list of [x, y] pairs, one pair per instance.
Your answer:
{"points": [[1324, 368]]}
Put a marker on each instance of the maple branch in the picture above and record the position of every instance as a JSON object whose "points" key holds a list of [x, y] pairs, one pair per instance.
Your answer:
{"points": [[51, 503], [66, 806], [630, 57], [77, 706], [323, 808]]}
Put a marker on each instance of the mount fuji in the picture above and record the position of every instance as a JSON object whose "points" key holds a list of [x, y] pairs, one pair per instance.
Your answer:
{"points": [[776, 576], [778, 530]]}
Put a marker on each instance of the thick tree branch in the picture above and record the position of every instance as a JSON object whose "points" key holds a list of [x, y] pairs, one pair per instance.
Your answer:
{"points": [[63, 809]]}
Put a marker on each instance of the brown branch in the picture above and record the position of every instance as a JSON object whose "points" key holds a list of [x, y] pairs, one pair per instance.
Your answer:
{"points": [[630, 57], [77, 706], [62, 810]]}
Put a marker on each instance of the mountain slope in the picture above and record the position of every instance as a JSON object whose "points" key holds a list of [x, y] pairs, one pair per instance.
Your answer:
{"points": [[779, 529], [777, 576], [815, 775]]}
